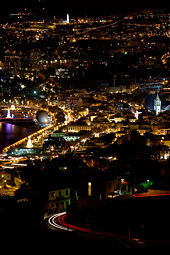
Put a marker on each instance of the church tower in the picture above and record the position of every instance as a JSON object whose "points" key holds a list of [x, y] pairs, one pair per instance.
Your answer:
{"points": [[157, 105]]}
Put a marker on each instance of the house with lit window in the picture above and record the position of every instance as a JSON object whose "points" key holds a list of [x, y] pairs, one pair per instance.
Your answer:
{"points": [[57, 200]]}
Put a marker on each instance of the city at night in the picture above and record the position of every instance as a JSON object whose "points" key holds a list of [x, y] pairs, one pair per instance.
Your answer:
{"points": [[85, 124]]}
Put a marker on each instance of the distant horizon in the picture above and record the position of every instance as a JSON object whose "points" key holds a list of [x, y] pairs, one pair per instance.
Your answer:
{"points": [[75, 8]]}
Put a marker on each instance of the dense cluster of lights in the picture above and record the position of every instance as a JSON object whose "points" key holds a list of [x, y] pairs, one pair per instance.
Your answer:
{"points": [[25, 139], [39, 132]]}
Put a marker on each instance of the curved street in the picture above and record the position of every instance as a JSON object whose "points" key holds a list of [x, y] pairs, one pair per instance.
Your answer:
{"points": [[57, 222]]}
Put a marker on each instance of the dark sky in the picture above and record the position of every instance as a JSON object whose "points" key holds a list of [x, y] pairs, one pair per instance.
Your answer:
{"points": [[83, 7]]}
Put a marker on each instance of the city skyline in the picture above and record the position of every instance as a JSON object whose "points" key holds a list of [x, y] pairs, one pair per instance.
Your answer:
{"points": [[84, 124]]}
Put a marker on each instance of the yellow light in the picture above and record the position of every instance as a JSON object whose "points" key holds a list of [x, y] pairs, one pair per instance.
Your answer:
{"points": [[89, 189]]}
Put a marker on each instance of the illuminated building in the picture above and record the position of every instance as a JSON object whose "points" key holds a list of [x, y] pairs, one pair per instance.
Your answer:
{"points": [[77, 126], [29, 143], [68, 18], [57, 200], [8, 114], [157, 105]]}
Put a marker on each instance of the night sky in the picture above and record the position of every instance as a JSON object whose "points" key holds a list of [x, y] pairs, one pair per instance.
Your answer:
{"points": [[86, 7]]}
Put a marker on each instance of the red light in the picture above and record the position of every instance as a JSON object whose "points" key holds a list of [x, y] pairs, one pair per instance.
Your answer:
{"points": [[62, 222], [152, 195], [65, 224]]}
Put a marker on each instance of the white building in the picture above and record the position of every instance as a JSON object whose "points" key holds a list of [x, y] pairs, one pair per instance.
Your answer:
{"points": [[68, 18], [157, 105]]}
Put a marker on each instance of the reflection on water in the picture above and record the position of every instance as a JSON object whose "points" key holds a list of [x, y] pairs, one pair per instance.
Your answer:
{"points": [[10, 133]]}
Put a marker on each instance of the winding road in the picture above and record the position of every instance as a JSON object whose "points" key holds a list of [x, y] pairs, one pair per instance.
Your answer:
{"points": [[57, 222]]}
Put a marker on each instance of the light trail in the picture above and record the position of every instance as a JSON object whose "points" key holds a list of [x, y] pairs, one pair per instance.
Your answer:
{"points": [[151, 195], [58, 221], [52, 222], [59, 217], [63, 223]]}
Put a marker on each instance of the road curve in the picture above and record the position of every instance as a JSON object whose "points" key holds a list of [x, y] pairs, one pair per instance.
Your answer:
{"points": [[54, 219], [58, 222]]}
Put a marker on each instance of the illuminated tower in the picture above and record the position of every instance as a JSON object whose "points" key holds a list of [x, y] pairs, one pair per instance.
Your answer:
{"points": [[157, 105], [8, 114], [137, 114], [68, 18], [29, 143]]}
